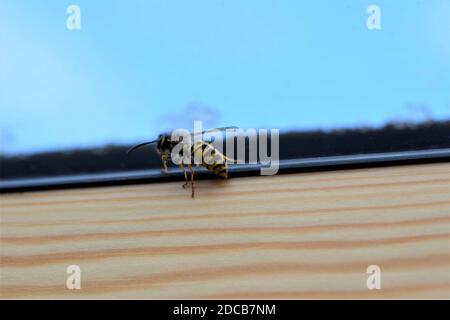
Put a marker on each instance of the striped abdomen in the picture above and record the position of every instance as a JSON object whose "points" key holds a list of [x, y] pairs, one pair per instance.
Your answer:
{"points": [[211, 158]]}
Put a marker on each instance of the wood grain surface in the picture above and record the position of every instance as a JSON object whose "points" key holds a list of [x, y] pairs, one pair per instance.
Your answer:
{"points": [[309, 235]]}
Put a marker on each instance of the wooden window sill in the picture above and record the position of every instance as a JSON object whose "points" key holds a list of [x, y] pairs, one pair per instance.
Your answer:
{"points": [[303, 235]]}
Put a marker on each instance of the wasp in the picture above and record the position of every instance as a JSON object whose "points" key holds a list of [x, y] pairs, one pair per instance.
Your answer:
{"points": [[211, 158]]}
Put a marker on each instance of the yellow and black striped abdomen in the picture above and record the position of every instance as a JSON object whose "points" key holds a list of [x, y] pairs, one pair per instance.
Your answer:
{"points": [[211, 158]]}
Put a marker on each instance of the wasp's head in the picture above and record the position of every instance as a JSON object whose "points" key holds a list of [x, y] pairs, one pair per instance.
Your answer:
{"points": [[164, 143]]}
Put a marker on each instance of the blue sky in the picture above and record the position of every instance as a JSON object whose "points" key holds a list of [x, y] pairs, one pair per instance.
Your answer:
{"points": [[138, 67]]}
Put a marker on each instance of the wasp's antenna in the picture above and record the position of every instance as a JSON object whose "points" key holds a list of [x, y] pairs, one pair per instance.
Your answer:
{"points": [[140, 145]]}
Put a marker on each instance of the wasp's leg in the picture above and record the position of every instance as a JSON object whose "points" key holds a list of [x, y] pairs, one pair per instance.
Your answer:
{"points": [[185, 175], [164, 162], [192, 179]]}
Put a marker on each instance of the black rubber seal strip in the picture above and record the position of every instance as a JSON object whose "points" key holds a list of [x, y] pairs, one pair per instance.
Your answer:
{"points": [[238, 170]]}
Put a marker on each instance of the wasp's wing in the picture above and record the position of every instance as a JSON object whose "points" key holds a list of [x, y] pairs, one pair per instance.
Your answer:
{"points": [[213, 129]]}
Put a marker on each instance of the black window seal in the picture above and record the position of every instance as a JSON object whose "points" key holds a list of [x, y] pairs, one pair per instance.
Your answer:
{"points": [[316, 151]]}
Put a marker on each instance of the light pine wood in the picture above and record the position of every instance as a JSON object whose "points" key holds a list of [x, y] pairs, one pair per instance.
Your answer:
{"points": [[306, 235]]}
